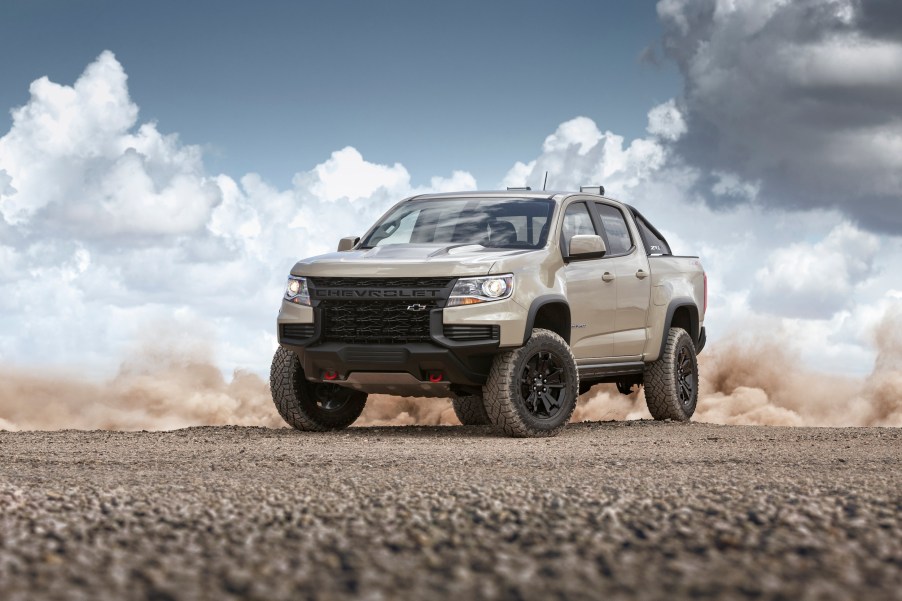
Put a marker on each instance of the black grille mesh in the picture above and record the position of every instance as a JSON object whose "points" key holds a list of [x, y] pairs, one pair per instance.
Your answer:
{"points": [[379, 322]]}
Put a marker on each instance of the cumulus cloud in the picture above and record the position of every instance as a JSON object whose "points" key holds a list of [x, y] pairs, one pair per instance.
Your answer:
{"points": [[329, 180], [108, 225], [666, 121], [74, 162], [578, 153], [800, 97], [816, 280]]}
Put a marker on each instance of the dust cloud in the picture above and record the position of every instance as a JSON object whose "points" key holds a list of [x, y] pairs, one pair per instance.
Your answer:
{"points": [[740, 383], [164, 394], [762, 383], [384, 410]]}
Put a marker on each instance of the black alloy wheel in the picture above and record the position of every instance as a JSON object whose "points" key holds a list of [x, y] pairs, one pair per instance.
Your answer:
{"points": [[686, 381], [531, 390], [542, 385], [331, 397]]}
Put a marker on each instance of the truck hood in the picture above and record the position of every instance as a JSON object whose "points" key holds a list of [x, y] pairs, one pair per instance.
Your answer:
{"points": [[410, 260]]}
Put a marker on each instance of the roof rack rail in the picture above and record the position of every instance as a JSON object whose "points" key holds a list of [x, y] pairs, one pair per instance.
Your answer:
{"points": [[593, 189], [527, 188]]}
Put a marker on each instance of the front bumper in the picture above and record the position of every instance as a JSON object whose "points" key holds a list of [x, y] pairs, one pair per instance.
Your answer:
{"points": [[463, 363], [468, 366]]}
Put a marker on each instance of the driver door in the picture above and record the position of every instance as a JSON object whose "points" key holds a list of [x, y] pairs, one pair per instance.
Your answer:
{"points": [[593, 301]]}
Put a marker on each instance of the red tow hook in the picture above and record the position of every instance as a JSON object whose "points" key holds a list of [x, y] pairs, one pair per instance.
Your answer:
{"points": [[330, 375], [436, 377]]}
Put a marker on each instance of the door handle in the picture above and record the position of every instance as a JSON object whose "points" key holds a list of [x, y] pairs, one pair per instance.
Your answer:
{"points": [[641, 274], [608, 276]]}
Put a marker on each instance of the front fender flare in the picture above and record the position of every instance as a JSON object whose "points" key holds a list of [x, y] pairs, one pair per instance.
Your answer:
{"points": [[538, 303]]}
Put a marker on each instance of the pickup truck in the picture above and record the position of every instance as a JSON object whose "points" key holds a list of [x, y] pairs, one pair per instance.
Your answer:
{"points": [[510, 303]]}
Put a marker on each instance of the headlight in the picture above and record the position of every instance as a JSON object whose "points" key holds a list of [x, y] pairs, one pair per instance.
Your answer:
{"points": [[469, 291], [297, 292]]}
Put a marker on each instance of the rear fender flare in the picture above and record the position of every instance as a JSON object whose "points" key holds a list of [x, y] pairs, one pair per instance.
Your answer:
{"points": [[675, 304]]}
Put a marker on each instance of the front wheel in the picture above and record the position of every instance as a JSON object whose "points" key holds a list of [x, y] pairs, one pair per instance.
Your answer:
{"points": [[311, 406], [470, 409], [671, 382], [531, 391]]}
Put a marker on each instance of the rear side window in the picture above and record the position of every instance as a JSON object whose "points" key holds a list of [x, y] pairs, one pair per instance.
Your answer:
{"points": [[654, 244], [576, 222], [619, 240]]}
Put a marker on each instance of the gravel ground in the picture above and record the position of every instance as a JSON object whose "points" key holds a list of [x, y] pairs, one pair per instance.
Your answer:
{"points": [[616, 510]]}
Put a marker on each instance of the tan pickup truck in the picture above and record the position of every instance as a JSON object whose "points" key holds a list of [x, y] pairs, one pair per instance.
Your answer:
{"points": [[510, 303]]}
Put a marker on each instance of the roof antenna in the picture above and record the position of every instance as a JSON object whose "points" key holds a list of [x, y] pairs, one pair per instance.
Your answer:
{"points": [[545, 182]]}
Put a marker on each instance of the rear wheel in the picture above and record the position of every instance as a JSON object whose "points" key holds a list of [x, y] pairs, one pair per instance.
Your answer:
{"points": [[470, 410], [311, 406], [531, 391], [671, 382]]}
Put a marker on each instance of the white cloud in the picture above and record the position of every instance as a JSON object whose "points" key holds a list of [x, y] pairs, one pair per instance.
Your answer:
{"points": [[519, 175], [666, 121], [110, 226], [577, 153], [816, 280], [72, 163], [347, 175]]}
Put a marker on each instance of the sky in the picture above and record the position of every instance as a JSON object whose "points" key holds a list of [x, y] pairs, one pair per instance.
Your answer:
{"points": [[163, 165], [273, 87]]}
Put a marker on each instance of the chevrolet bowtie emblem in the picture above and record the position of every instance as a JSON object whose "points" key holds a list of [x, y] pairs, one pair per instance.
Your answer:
{"points": [[416, 307]]}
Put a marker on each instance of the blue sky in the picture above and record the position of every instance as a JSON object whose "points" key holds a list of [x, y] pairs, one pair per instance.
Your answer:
{"points": [[272, 87], [163, 165]]}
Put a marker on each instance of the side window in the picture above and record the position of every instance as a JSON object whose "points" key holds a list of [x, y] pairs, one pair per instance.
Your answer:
{"points": [[654, 245], [576, 222], [618, 233]]}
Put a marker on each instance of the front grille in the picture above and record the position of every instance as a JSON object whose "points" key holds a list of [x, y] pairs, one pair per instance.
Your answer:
{"points": [[375, 322], [464, 333], [381, 282], [297, 331]]}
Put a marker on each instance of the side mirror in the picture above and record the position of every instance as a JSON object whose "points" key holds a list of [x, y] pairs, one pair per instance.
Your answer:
{"points": [[347, 243], [586, 246]]}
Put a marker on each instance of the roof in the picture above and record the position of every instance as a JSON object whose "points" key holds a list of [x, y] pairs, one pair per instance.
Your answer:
{"points": [[528, 194]]}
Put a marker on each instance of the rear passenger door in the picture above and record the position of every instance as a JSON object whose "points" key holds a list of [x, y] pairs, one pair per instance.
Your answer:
{"points": [[627, 261]]}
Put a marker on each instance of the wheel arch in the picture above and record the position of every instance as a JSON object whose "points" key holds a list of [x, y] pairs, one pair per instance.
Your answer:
{"points": [[681, 313], [551, 312]]}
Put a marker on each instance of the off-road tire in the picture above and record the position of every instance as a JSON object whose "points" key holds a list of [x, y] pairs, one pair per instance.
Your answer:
{"points": [[300, 402], [665, 378], [505, 403], [470, 410]]}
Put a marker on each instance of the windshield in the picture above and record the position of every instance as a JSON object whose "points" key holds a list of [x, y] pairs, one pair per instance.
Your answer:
{"points": [[490, 222]]}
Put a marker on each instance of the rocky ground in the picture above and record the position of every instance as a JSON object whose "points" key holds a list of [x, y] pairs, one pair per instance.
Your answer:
{"points": [[628, 510]]}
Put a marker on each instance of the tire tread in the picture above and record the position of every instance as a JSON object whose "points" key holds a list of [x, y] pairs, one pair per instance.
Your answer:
{"points": [[660, 381], [286, 379], [470, 410], [499, 392]]}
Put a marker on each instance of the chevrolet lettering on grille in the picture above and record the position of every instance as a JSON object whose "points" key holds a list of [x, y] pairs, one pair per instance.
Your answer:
{"points": [[352, 293]]}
